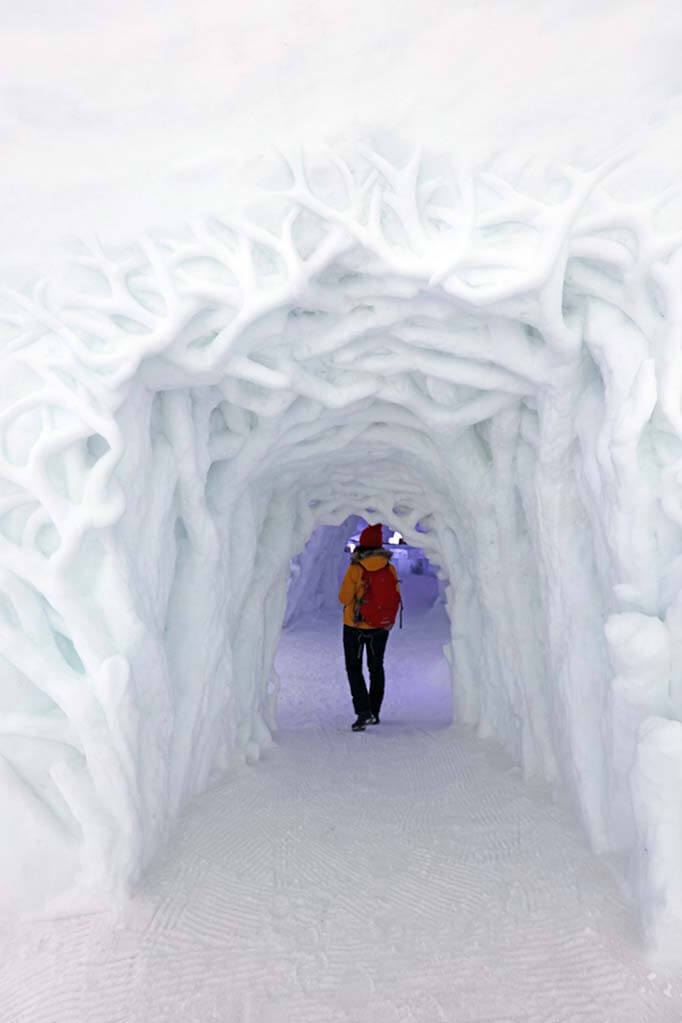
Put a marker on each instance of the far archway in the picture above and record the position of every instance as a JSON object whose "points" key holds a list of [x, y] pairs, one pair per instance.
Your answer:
{"points": [[418, 678]]}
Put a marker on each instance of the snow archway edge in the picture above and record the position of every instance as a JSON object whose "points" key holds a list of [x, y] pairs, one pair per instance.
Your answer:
{"points": [[179, 416]]}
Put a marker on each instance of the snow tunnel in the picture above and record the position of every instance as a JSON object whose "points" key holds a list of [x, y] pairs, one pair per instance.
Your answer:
{"points": [[500, 367]]}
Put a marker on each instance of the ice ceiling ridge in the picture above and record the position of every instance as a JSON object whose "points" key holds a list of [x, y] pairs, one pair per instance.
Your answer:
{"points": [[177, 416]]}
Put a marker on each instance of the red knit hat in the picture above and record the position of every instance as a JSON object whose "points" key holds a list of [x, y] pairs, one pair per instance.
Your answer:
{"points": [[371, 536]]}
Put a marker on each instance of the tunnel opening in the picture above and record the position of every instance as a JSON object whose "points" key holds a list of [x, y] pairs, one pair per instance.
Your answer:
{"points": [[173, 434], [418, 679]]}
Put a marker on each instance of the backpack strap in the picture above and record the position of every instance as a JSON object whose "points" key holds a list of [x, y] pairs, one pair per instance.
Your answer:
{"points": [[357, 602], [397, 582]]}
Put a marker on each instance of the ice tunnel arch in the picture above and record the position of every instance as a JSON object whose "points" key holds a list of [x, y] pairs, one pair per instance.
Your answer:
{"points": [[177, 417]]}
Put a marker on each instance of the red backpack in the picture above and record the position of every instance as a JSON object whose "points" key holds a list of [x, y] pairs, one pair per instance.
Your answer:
{"points": [[378, 607]]}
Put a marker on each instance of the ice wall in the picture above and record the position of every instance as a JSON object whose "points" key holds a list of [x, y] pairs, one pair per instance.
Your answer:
{"points": [[316, 572], [412, 343]]}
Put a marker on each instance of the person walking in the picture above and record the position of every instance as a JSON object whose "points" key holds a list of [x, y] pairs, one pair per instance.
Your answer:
{"points": [[370, 594]]}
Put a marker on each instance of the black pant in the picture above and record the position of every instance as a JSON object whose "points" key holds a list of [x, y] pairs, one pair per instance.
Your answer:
{"points": [[375, 642]]}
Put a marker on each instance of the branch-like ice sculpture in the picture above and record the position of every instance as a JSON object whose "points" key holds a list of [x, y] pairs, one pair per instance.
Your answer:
{"points": [[178, 417]]}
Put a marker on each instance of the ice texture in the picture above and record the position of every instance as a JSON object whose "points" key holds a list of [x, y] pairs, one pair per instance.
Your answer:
{"points": [[316, 572], [411, 343]]}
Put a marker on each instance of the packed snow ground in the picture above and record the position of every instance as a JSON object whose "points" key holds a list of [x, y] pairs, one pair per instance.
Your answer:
{"points": [[405, 874]]}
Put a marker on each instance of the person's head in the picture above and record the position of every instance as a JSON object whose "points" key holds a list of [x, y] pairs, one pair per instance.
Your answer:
{"points": [[370, 539]]}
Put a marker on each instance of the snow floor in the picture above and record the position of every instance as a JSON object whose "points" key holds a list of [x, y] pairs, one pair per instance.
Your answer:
{"points": [[403, 874]]}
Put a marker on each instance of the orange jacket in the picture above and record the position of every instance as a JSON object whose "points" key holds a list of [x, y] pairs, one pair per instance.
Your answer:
{"points": [[351, 587]]}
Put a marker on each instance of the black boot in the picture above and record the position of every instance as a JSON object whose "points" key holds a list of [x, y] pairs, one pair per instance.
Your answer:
{"points": [[374, 719], [361, 723]]}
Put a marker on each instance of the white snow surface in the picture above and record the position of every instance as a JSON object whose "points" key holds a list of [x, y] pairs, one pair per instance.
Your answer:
{"points": [[116, 119], [403, 875], [317, 572], [457, 307]]}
